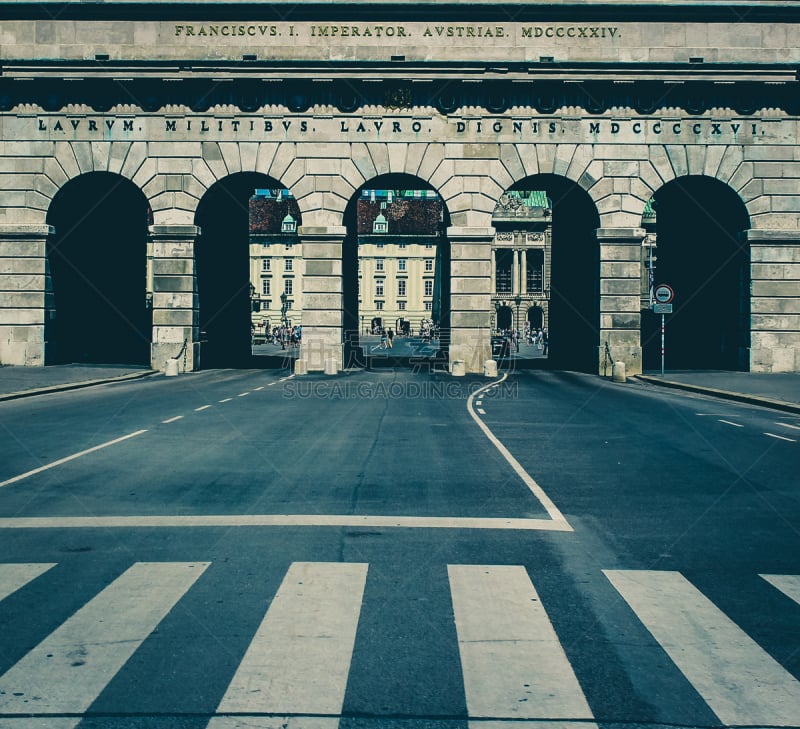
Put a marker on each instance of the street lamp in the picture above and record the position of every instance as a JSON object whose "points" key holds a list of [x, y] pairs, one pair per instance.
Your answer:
{"points": [[517, 301]]}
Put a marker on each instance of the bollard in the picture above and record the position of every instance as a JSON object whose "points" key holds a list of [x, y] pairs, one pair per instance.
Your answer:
{"points": [[618, 372], [490, 368], [300, 367], [330, 366], [171, 368], [458, 368]]}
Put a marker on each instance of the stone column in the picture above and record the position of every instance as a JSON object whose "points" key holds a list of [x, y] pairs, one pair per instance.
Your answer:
{"points": [[494, 272], [523, 276], [175, 301], [515, 272], [620, 296], [323, 303], [26, 294], [470, 298], [774, 304]]}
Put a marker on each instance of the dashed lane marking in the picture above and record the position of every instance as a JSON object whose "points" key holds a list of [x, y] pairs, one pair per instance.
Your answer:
{"points": [[771, 435], [259, 388], [227, 399], [70, 458], [172, 420], [202, 407], [242, 394], [729, 422], [481, 411], [789, 425]]}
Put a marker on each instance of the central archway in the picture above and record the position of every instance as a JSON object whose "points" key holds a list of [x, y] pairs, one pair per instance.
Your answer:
{"points": [[396, 271], [225, 291]]}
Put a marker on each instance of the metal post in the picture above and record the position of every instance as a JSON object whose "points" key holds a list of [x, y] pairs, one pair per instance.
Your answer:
{"points": [[662, 344]]}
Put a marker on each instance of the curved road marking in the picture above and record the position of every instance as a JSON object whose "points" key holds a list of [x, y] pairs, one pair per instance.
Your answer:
{"points": [[527, 479]]}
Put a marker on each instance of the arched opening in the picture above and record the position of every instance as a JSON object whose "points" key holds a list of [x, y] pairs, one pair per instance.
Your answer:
{"points": [[505, 318], [699, 253], [547, 262], [98, 265], [396, 272], [231, 289], [536, 317]]}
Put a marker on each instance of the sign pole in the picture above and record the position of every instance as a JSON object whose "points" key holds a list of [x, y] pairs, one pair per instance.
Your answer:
{"points": [[662, 345]]}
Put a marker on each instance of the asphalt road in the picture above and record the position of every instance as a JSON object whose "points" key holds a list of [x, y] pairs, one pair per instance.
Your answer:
{"points": [[243, 549]]}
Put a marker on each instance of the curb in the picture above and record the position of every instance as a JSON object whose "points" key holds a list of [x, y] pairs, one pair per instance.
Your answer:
{"points": [[75, 385], [724, 394]]}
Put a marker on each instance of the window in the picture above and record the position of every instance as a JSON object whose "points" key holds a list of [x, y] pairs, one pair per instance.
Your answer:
{"points": [[379, 305], [401, 264], [428, 245], [428, 265], [379, 287], [380, 244], [266, 286], [503, 259], [379, 264], [266, 264], [380, 225], [288, 286], [288, 225], [535, 274], [428, 306], [401, 287], [288, 264], [401, 305], [402, 244], [428, 287]]}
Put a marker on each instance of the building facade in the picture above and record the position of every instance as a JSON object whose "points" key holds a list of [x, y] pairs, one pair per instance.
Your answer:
{"points": [[136, 132]]}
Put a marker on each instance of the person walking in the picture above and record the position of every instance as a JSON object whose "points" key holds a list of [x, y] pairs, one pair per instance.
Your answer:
{"points": [[390, 338]]}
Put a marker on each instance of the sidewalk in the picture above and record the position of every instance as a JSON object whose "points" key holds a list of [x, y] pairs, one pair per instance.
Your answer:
{"points": [[780, 390], [18, 382]]}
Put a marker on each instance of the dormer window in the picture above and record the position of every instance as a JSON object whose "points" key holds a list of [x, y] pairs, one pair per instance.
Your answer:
{"points": [[380, 225], [289, 225]]}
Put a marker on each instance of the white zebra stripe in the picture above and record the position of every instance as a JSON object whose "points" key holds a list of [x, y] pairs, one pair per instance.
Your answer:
{"points": [[66, 672], [299, 660], [14, 576], [738, 680], [513, 663], [789, 585]]}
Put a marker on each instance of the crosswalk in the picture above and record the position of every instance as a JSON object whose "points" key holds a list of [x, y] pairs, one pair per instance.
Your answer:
{"points": [[295, 671]]}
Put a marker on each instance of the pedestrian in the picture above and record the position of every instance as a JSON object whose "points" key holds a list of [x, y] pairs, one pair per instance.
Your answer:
{"points": [[390, 338], [383, 339], [545, 341]]}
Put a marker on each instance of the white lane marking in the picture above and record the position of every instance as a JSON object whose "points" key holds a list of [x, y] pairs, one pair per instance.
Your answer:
{"points": [[271, 384], [202, 407], [739, 680], [527, 479], [789, 425], [172, 420], [69, 458], [479, 403], [728, 422], [14, 576], [227, 399], [481, 411], [513, 664], [771, 435], [270, 520], [299, 660], [789, 585], [260, 388], [66, 672], [242, 394]]}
